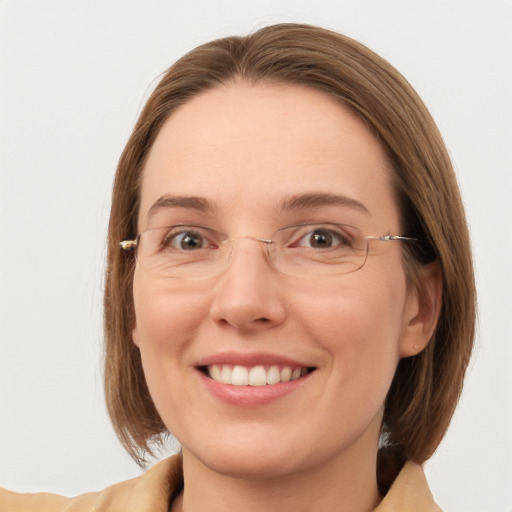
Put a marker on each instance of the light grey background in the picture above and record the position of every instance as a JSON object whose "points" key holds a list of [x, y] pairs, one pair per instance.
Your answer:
{"points": [[73, 77]]}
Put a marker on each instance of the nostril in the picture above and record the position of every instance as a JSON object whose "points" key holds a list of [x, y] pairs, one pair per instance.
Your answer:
{"points": [[251, 324], [247, 299]]}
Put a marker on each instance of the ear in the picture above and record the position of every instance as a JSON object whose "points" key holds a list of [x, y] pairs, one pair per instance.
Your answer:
{"points": [[422, 310]]}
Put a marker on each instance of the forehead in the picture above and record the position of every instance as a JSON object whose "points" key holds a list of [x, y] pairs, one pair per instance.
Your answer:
{"points": [[246, 148]]}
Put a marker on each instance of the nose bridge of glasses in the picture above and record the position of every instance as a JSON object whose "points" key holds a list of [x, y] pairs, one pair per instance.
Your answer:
{"points": [[230, 244]]}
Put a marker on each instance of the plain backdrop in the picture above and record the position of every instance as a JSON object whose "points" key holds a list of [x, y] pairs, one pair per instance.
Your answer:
{"points": [[74, 74]]}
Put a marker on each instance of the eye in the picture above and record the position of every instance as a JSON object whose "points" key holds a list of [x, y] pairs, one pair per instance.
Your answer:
{"points": [[324, 238], [186, 239]]}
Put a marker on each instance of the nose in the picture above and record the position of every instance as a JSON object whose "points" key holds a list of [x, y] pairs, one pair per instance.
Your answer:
{"points": [[247, 295]]}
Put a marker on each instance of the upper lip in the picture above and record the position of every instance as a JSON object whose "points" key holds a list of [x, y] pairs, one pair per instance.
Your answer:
{"points": [[250, 359]]}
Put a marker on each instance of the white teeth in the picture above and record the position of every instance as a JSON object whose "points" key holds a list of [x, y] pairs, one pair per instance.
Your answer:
{"points": [[240, 376], [257, 376], [273, 375], [286, 374], [226, 373], [215, 372], [254, 376]]}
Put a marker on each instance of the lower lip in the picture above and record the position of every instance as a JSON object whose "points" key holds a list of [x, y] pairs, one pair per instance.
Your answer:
{"points": [[250, 396]]}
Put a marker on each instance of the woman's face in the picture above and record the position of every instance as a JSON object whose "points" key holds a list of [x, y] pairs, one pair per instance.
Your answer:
{"points": [[261, 158]]}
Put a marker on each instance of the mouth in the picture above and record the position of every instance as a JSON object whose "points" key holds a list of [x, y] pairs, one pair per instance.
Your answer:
{"points": [[258, 375]]}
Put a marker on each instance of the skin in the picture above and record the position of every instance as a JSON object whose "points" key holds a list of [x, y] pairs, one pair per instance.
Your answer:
{"points": [[245, 148]]}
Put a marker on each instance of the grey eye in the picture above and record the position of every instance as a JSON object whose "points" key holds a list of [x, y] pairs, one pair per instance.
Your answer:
{"points": [[187, 241], [322, 238]]}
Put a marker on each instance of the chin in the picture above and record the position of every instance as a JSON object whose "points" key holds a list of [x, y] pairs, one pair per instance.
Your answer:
{"points": [[250, 459], [260, 466]]}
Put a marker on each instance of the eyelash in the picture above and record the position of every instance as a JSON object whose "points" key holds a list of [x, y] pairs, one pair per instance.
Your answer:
{"points": [[185, 230], [326, 229], [295, 239]]}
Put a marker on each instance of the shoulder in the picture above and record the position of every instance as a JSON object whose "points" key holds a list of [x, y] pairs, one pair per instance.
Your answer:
{"points": [[150, 492], [409, 491]]}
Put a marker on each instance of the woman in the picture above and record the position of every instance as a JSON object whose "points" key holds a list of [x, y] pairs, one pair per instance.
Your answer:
{"points": [[289, 288]]}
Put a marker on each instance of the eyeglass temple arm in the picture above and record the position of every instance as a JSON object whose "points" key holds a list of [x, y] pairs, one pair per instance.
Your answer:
{"points": [[128, 245], [387, 238]]}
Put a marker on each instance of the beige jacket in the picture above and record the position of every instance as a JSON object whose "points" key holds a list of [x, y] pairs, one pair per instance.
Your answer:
{"points": [[152, 492]]}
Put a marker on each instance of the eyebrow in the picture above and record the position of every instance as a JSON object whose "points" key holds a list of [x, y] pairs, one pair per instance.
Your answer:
{"points": [[200, 204], [316, 199], [294, 202]]}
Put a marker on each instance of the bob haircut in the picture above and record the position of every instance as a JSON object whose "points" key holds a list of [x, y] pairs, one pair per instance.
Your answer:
{"points": [[426, 387]]}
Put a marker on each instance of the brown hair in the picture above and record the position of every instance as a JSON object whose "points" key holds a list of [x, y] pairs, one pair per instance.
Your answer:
{"points": [[426, 387]]}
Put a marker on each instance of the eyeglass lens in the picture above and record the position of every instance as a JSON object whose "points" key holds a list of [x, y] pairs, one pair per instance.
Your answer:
{"points": [[304, 250]]}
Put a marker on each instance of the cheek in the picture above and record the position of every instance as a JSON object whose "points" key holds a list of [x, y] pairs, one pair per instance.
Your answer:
{"points": [[165, 326], [360, 325], [163, 320]]}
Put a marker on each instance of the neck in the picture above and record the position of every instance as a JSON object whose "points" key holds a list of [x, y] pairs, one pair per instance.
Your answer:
{"points": [[327, 487]]}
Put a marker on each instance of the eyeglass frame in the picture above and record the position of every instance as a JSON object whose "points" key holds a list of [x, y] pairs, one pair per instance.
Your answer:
{"points": [[131, 245]]}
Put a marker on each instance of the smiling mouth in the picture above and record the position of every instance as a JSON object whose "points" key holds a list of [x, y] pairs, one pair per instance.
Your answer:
{"points": [[259, 375]]}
